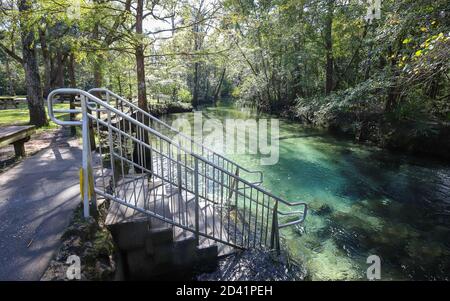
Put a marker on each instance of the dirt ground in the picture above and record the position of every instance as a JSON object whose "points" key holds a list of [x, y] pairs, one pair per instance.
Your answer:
{"points": [[38, 141]]}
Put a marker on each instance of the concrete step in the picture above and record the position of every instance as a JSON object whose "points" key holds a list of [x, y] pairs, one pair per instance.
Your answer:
{"points": [[209, 223], [156, 238], [152, 248], [207, 259]]}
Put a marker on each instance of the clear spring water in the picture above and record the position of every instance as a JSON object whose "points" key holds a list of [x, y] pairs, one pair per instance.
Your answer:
{"points": [[362, 201]]}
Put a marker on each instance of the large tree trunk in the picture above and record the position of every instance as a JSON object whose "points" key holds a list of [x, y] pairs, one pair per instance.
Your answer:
{"points": [[30, 65], [329, 47], [141, 155], [47, 62], [139, 52]]}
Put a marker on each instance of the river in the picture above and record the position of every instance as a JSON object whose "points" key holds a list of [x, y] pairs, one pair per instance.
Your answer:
{"points": [[363, 201]]}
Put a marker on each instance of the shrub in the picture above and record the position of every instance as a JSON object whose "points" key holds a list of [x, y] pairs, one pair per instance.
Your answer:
{"points": [[184, 95]]}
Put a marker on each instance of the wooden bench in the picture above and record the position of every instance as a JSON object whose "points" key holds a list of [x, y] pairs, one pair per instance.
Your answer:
{"points": [[16, 135]]}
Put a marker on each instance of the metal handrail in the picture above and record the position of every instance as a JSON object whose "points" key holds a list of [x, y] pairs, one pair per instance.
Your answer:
{"points": [[208, 184], [298, 212], [107, 91]]}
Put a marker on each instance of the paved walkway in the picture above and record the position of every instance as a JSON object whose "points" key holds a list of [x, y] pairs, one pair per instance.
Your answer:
{"points": [[37, 199]]}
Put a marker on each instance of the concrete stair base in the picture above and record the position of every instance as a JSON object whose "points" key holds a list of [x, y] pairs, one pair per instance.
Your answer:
{"points": [[151, 248], [152, 253]]}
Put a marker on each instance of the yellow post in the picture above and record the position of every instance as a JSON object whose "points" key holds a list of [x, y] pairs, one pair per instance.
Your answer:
{"points": [[90, 184]]}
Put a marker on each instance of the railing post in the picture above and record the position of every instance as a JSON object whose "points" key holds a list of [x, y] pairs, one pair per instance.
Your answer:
{"points": [[233, 184], [179, 179], [275, 234], [87, 175], [197, 205]]}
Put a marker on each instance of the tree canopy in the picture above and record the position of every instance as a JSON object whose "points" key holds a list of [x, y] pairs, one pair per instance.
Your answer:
{"points": [[271, 55]]}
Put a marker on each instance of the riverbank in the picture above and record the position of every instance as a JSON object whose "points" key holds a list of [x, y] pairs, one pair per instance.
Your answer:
{"points": [[428, 139], [90, 240], [159, 109]]}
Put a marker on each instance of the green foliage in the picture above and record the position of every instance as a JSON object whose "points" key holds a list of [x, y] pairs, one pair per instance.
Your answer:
{"points": [[184, 95], [267, 54], [236, 92]]}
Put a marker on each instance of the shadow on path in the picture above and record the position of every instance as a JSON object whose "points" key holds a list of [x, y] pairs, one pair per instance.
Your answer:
{"points": [[37, 199]]}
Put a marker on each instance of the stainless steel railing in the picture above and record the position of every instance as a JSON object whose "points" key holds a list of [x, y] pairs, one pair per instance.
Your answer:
{"points": [[140, 168], [127, 106]]}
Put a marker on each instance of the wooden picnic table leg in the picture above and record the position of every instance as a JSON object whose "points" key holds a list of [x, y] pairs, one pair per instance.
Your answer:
{"points": [[19, 147]]}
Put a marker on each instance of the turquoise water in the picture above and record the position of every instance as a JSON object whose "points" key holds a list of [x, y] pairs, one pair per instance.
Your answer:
{"points": [[362, 200]]}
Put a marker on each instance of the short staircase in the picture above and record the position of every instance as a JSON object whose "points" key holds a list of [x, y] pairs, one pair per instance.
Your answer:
{"points": [[152, 249], [176, 205]]}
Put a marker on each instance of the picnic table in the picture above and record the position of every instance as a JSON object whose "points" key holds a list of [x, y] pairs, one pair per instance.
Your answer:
{"points": [[10, 100], [16, 135]]}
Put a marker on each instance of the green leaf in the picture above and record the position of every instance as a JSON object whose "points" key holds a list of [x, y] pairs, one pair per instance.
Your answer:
{"points": [[406, 41]]}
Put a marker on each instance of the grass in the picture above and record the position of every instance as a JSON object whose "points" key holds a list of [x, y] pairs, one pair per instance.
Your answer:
{"points": [[20, 116], [15, 96]]}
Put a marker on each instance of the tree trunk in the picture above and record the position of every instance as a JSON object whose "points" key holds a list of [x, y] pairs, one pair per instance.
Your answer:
{"points": [[98, 75], [30, 65], [119, 83], [205, 97], [130, 86], [58, 79], [73, 84], [368, 64], [195, 30], [195, 94], [140, 66], [47, 62], [393, 92], [329, 47], [141, 155], [219, 86], [11, 87]]}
